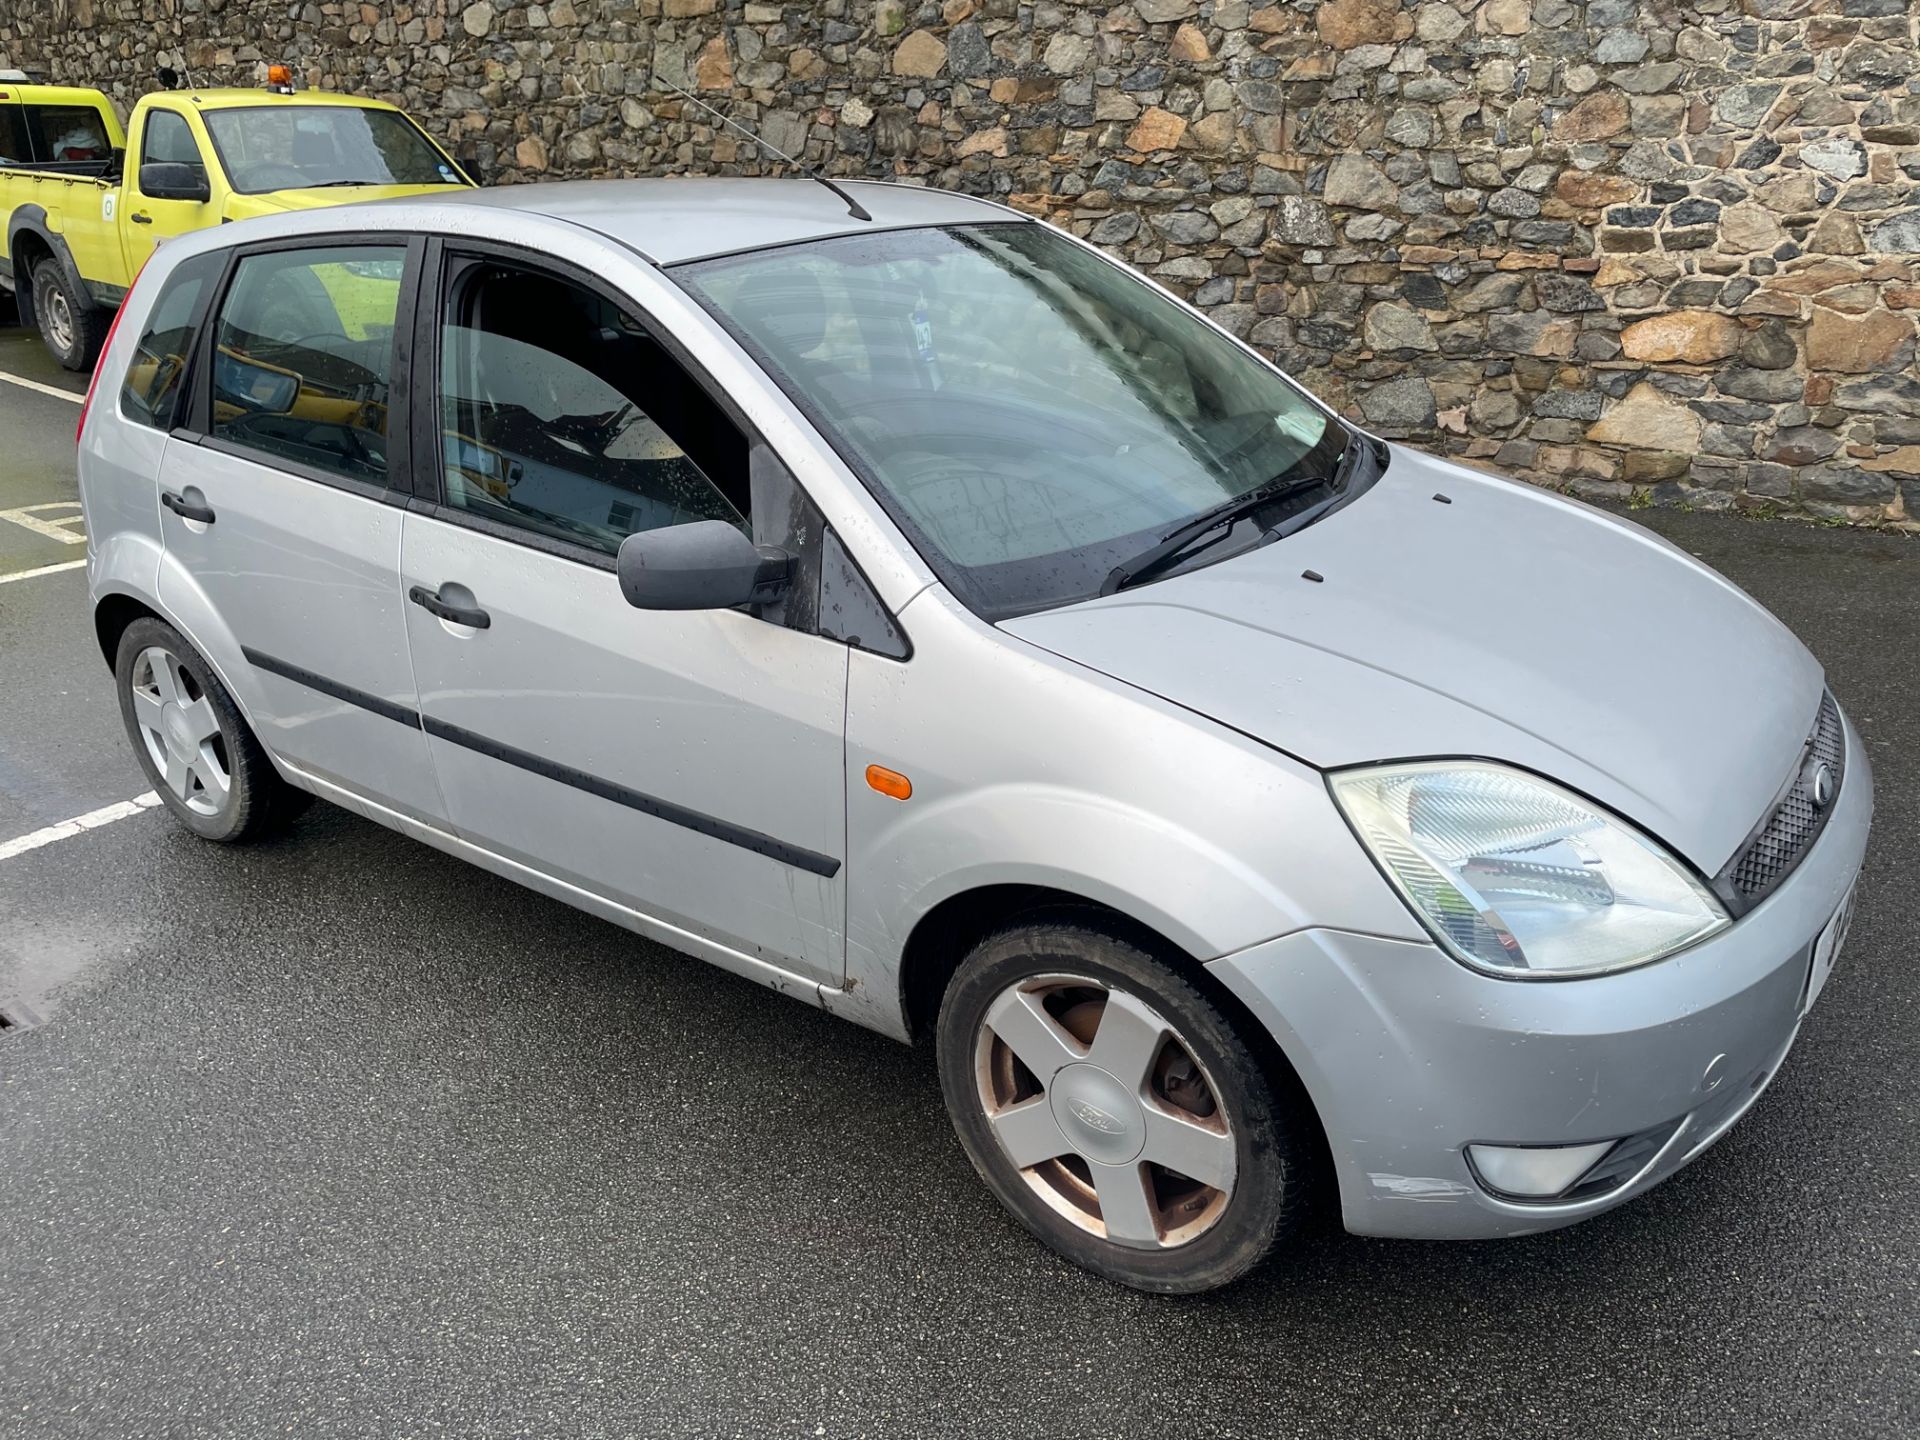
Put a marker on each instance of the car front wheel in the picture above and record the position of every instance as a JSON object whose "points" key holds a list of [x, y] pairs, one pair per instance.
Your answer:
{"points": [[1115, 1110]]}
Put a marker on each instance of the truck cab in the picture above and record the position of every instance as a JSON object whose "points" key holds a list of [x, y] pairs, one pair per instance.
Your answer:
{"points": [[85, 204]]}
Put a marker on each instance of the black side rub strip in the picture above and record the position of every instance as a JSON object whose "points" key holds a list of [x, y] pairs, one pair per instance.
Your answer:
{"points": [[746, 839], [385, 709], [797, 856]]}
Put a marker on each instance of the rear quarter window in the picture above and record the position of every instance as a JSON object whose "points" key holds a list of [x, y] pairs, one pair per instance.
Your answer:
{"points": [[13, 136], [150, 393], [68, 135]]}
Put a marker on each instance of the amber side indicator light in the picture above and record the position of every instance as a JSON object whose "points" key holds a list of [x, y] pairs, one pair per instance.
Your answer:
{"points": [[890, 783]]}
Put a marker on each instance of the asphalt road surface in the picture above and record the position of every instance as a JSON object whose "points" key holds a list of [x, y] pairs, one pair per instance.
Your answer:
{"points": [[336, 1136]]}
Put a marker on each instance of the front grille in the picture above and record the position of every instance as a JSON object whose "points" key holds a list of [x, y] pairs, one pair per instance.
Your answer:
{"points": [[1789, 832]]}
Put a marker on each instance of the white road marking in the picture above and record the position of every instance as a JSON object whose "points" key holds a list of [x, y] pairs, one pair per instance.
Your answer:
{"points": [[43, 570], [27, 517], [79, 825], [26, 384]]}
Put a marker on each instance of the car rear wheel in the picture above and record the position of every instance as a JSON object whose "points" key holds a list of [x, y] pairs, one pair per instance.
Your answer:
{"points": [[70, 323], [1114, 1109], [189, 737]]}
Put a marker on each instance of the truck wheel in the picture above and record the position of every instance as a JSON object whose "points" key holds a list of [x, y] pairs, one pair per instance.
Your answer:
{"points": [[70, 323]]}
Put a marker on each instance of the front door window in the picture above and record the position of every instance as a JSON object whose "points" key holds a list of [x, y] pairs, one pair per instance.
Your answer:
{"points": [[169, 141], [564, 416]]}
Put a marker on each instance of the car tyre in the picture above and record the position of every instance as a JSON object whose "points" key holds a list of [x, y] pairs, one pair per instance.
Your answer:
{"points": [[188, 735], [70, 323], [1082, 1070]]}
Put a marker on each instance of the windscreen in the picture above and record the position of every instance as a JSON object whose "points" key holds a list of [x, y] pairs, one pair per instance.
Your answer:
{"points": [[298, 147], [1030, 412]]}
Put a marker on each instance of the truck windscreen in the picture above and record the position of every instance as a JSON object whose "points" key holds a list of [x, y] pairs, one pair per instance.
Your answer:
{"points": [[303, 147]]}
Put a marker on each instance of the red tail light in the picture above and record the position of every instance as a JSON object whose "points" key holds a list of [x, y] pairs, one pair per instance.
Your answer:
{"points": [[105, 346]]}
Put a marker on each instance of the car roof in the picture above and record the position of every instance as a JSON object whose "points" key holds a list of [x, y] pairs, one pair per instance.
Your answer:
{"points": [[669, 221]]}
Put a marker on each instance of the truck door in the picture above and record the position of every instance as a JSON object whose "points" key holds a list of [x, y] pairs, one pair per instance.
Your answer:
{"points": [[169, 188]]}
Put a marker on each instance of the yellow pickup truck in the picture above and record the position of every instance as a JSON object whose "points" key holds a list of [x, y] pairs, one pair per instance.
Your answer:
{"points": [[82, 203]]}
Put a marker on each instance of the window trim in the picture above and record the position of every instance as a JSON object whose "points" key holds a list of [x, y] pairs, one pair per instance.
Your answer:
{"points": [[198, 428]]}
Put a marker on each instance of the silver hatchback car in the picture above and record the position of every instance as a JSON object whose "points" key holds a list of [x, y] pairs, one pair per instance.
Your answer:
{"points": [[890, 599]]}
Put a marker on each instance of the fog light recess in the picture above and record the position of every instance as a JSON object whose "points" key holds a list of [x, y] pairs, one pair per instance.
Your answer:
{"points": [[1534, 1172]]}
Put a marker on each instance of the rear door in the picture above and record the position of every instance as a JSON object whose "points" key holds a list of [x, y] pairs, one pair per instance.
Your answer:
{"points": [[688, 766], [282, 502]]}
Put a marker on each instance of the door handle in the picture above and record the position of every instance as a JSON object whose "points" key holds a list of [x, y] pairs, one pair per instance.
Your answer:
{"points": [[431, 602], [140, 217], [186, 509]]}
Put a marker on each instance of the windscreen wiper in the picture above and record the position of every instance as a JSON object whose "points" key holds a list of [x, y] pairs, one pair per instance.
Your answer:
{"points": [[1176, 543]]}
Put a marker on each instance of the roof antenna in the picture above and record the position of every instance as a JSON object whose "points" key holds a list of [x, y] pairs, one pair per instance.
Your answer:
{"points": [[854, 207]]}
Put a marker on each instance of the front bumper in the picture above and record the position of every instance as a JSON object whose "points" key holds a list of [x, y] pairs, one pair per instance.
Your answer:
{"points": [[1409, 1057]]}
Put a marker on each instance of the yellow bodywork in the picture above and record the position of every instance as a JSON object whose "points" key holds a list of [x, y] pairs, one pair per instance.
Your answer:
{"points": [[110, 227]]}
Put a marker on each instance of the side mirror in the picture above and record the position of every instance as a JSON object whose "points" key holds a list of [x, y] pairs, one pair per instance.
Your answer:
{"points": [[171, 180], [707, 565]]}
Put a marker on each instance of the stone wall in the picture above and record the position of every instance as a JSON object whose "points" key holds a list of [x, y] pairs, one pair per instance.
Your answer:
{"points": [[1637, 248]]}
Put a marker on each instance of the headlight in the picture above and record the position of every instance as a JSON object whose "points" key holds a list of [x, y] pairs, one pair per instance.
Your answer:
{"points": [[1518, 877]]}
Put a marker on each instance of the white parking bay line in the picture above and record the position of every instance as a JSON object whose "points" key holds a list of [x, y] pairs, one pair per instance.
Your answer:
{"points": [[79, 825], [42, 570], [53, 390]]}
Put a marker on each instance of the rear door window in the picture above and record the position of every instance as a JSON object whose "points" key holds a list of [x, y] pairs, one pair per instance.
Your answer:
{"points": [[151, 392], [303, 357]]}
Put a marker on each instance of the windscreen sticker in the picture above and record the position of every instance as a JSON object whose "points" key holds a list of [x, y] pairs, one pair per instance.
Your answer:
{"points": [[923, 344]]}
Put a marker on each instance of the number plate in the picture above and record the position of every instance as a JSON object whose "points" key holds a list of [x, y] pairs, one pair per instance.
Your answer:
{"points": [[1827, 948]]}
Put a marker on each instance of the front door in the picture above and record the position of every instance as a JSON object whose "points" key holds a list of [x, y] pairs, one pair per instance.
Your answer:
{"points": [[687, 766], [278, 507], [165, 138]]}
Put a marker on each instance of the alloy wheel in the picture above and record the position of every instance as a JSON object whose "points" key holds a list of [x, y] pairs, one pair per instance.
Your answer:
{"points": [[1105, 1111], [59, 319], [182, 734]]}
